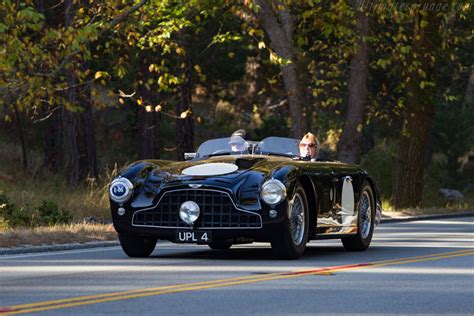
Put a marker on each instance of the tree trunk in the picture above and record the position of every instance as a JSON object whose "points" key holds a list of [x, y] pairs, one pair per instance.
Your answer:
{"points": [[19, 125], [53, 140], [185, 125], [468, 97], [280, 33], [88, 162], [419, 114], [148, 134], [71, 118], [349, 146], [71, 135], [148, 123]]}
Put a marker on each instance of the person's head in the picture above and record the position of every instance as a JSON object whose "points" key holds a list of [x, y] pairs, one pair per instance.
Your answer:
{"points": [[238, 140], [309, 146]]}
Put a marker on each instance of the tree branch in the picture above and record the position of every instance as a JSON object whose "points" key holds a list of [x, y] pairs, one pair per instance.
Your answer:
{"points": [[113, 23]]}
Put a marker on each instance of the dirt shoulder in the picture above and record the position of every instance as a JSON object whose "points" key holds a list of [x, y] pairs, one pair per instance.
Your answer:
{"points": [[60, 234]]}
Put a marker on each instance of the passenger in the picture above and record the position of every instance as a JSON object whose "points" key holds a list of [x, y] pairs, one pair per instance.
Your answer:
{"points": [[238, 140], [309, 147]]}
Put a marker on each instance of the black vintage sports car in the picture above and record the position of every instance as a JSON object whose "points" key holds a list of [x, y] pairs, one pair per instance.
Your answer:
{"points": [[256, 191]]}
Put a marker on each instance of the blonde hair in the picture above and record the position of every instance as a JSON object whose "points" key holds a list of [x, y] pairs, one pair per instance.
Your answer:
{"points": [[311, 138]]}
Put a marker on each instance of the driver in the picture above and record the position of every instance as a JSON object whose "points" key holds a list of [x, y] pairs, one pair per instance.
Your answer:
{"points": [[309, 147], [238, 140]]}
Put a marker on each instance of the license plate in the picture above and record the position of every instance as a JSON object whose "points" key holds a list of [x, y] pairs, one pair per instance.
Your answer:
{"points": [[194, 236]]}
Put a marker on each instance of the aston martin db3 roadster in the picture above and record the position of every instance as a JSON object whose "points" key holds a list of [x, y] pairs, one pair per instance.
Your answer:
{"points": [[224, 195]]}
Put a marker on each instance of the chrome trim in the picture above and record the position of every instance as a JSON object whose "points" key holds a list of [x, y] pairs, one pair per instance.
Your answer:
{"points": [[365, 210], [297, 220], [200, 227], [280, 185], [378, 213], [128, 185]]}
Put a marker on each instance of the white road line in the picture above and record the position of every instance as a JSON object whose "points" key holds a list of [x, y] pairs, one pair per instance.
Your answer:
{"points": [[55, 253], [167, 245]]}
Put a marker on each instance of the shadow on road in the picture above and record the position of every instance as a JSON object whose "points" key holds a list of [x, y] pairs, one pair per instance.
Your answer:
{"points": [[246, 253]]}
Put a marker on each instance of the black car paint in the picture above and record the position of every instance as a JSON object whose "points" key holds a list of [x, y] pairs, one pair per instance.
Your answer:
{"points": [[322, 182]]}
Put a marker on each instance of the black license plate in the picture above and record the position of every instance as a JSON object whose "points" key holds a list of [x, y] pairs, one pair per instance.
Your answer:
{"points": [[194, 236]]}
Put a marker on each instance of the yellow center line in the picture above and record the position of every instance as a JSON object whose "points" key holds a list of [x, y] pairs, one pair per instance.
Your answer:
{"points": [[108, 297], [425, 256]]}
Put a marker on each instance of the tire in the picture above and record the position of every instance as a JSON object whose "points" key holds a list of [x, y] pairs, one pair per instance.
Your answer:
{"points": [[365, 221], [291, 242], [221, 244], [137, 246]]}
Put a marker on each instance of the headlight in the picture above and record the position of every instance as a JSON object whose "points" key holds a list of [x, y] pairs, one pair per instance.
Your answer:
{"points": [[121, 189], [189, 212], [273, 192]]}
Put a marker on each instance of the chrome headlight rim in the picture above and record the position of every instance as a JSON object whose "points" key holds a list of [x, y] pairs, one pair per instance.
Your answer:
{"points": [[127, 186], [271, 186]]}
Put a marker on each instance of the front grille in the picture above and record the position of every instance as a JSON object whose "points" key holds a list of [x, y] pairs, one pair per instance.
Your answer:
{"points": [[217, 211]]}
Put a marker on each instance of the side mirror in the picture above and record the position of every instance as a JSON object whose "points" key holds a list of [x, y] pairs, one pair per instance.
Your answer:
{"points": [[190, 156]]}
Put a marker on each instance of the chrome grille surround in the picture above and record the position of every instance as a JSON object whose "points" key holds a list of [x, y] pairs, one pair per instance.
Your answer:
{"points": [[218, 211]]}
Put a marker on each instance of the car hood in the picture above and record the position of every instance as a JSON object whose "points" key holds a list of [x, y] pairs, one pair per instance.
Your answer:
{"points": [[212, 167], [243, 179]]}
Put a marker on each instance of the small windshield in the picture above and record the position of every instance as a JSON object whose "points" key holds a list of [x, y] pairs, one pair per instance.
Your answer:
{"points": [[280, 146], [236, 145]]}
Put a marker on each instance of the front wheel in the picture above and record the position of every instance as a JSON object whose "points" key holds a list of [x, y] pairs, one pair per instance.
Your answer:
{"points": [[137, 246], [365, 221], [291, 242]]}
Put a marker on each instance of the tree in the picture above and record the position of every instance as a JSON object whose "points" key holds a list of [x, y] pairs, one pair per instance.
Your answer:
{"points": [[278, 23], [419, 112], [349, 145], [185, 122]]}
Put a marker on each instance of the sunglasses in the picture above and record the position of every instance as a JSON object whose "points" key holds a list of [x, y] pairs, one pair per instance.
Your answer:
{"points": [[309, 145]]}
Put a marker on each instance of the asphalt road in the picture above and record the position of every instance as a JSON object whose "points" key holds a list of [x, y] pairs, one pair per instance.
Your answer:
{"points": [[423, 267]]}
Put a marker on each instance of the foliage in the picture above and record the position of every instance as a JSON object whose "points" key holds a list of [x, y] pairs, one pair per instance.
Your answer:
{"points": [[452, 133], [46, 214], [326, 40], [379, 163], [273, 124], [50, 214], [10, 214]]}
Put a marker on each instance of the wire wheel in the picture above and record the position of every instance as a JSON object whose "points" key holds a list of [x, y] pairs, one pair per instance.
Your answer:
{"points": [[365, 213], [365, 221], [290, 242], [297, 219]]}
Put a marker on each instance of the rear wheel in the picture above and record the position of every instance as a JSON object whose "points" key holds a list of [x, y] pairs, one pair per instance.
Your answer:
{"points": [[365, 221], [291, 242], [137, 246], [221, 244]]}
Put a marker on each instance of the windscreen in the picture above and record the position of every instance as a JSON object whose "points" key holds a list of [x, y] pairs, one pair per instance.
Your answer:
{"points": [[279, 146], [238, 146]]}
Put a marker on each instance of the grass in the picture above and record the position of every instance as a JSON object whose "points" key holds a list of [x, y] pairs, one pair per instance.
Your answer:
{"points": [[58, 234], [36, 185], [81, 202]]}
